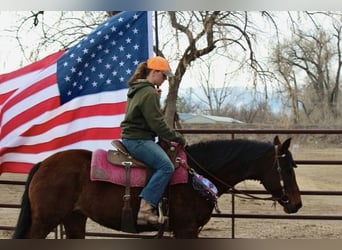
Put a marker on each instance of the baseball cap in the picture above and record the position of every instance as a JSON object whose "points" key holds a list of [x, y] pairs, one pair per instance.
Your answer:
{"points": [[159, 63]]}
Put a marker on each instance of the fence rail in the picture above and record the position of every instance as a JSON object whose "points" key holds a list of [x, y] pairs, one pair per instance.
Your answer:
{"points": [[59, 233]]}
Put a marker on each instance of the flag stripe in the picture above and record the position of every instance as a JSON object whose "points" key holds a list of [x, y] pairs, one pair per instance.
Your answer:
{"points": [[28, 114], [29, 91], [51, 59], [58, 142], [5, 96], [22, 162], [68, 116]]}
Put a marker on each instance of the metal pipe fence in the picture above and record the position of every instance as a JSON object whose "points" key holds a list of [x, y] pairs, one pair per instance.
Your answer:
{"points": [[233, 215]]}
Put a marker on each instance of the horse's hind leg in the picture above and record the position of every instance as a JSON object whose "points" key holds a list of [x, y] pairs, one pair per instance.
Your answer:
{"points": [[75, 225], [40, 229]]}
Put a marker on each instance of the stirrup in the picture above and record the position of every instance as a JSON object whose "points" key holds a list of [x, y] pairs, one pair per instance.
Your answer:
{"points": [[145, 221], [161, 218]]}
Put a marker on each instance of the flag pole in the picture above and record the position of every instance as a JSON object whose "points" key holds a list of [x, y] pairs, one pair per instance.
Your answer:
{"points": [[156, 32]]}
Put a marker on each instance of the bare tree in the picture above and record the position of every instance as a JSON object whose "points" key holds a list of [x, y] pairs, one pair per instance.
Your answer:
{"points": [[49, 31], [214, 95], [315, 54], [200, 33]]}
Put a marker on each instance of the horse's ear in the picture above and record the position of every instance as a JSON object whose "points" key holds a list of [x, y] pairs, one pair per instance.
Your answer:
{"points": [[276, 140], [286, 144]]}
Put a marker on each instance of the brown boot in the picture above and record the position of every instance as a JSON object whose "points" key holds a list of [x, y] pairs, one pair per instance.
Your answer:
{"points": [[145, 214]]}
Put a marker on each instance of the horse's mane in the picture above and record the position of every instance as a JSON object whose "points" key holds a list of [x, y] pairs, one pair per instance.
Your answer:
{"points": [[216, 154]]}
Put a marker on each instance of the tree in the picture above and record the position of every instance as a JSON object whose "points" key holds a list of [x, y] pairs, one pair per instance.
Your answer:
{"points": [[48, 31], [313, 57], [200, 33]]}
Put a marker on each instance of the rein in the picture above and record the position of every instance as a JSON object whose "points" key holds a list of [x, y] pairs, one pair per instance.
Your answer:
{"points": [[240, 193]]}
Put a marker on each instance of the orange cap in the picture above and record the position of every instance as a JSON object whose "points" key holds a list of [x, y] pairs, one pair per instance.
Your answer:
{"points": [[159, 63]]}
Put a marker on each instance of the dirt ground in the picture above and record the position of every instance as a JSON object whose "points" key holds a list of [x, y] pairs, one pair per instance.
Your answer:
{"points": [[309, 178]]}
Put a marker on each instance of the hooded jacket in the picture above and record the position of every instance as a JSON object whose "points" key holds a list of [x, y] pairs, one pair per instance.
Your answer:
{"points": [[144, 118]]}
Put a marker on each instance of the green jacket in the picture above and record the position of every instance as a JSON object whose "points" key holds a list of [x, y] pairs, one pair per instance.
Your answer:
{"points": [[144, 118]]}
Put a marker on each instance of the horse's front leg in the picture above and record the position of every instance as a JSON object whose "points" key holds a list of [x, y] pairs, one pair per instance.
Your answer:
{"points": [[186, 232]]}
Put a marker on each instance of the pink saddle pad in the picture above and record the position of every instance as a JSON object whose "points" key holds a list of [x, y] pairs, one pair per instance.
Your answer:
{"points": [[102, 170]]}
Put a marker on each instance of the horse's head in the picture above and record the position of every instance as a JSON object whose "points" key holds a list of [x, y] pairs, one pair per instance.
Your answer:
{"points": [[280, 181]]}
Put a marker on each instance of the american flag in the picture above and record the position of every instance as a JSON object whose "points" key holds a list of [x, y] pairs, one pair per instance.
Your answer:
{"points": [[74, 98]]}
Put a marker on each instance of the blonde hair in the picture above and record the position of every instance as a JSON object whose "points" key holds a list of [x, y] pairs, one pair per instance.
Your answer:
{"points": [[141, 72]]}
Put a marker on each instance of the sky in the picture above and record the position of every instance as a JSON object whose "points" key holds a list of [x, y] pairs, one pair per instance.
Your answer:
{"points": [[9, 59]]}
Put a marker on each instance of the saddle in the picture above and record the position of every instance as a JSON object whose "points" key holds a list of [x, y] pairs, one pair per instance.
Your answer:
{"points": [[121, 156]]}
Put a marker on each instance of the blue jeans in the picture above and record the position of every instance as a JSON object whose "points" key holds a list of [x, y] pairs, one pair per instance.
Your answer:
{"points": [[155, 157]]}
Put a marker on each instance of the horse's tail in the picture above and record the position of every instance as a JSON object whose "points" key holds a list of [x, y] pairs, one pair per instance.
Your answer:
{"points": [[24, 219]]}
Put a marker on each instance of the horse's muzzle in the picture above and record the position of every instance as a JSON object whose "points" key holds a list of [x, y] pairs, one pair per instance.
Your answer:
{"points": [[289, 207]]}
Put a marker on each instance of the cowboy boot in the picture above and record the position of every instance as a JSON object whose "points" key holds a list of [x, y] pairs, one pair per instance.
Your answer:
{"points": [[145, 214]]}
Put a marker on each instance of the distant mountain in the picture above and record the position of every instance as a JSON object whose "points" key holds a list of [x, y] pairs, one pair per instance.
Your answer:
{"points": [[238, 96]]}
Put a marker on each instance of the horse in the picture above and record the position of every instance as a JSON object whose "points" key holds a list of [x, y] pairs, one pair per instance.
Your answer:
{"points": [[59, 191]]}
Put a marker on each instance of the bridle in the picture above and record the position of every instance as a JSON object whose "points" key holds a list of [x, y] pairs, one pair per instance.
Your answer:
{"points": [[230, 189], [284, 198]]}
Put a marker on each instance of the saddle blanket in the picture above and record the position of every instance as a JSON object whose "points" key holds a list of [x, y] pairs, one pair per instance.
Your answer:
{"points": [[102, 170]]}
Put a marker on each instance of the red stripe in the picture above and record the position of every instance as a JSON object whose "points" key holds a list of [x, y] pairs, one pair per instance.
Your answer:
{"points": [[36, 87], [29, 114], [43, 63], [5, 96], [81, 112], [87, 134], [16, 167]]}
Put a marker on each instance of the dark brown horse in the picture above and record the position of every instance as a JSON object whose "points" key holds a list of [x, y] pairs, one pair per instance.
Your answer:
{"points": [[59, 190]]}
